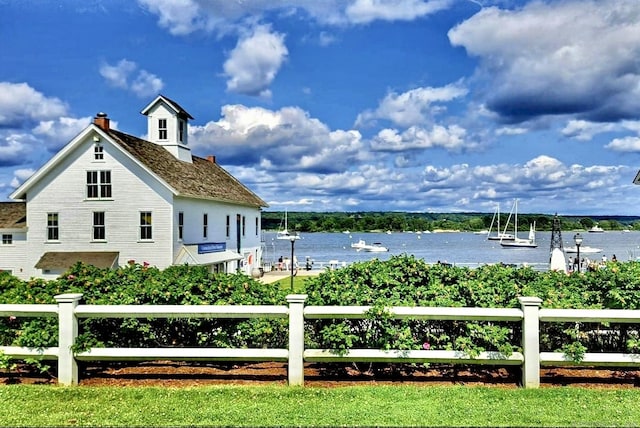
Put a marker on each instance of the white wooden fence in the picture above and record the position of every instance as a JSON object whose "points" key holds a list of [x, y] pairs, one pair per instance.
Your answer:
{"points": [[68, 310]]}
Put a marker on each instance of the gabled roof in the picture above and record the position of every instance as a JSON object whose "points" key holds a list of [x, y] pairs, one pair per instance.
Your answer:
{"points": [[174, 105], [13, 215], [200, 179]]}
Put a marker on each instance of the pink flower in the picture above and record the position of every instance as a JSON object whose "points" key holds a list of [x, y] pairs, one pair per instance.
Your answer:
{"points": [[12, 318], [145, 264], [426, 346], [71, 277]]}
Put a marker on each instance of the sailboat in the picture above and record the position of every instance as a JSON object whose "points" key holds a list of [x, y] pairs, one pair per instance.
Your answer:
{"points": [[284, 233], [499, 236], [530, 242]]}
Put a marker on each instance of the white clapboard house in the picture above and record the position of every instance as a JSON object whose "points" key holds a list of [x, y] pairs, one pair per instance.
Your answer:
{"points": [[108, 198]]}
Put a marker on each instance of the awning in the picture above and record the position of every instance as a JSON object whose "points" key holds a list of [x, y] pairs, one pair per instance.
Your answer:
{"points": [[188, 254], [65, 259]]}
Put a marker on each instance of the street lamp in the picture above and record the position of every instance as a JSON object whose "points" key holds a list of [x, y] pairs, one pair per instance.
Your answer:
{"points": [[577, 238], [293, 237]]}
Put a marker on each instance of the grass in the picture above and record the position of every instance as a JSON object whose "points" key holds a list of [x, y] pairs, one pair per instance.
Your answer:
{"points": [[298, 282], [33, 405]]}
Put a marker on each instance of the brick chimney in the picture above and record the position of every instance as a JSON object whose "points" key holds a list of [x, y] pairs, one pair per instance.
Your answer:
{"points": [[211, 159], [102, 121]]}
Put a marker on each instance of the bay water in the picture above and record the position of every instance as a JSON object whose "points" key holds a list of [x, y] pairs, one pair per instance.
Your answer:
{"points": [[458, 248]]}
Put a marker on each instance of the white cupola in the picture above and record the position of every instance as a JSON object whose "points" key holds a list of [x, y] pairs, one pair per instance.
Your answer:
{"points": [[167, 125]]}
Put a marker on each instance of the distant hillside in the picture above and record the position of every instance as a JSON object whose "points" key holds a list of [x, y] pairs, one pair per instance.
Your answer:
{"points": [[402, 221]]}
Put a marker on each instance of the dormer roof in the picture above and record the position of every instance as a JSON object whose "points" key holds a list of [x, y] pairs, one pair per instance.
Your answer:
{"points": [[180, 112]]}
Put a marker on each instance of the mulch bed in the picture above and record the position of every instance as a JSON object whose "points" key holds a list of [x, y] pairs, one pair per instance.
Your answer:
{"points": [[185, 374]]}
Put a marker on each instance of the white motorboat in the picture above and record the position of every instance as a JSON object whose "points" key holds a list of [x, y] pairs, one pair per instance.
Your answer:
{"points": [[583, 250], [359, 245], [376, 247], [596, 229]]}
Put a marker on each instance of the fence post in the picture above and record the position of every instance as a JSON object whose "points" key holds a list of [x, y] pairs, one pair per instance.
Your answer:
{"points": [[296, 339], [68, 332], [531, 341]]}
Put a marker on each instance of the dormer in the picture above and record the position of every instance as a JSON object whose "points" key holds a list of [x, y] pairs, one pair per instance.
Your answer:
{"points": [[167, 125]]}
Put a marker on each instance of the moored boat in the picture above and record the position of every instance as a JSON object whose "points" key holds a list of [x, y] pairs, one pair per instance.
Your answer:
{"points": [[516, 242], [596, 229]]}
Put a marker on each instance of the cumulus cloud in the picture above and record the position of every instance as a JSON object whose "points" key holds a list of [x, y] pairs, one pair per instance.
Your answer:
{"points": [[182, 17], [14, 147], [59, 132], [276, 140], [365, 11], [555, 58], [20, 175], [255, 61], [626, 144], [120, 75], [22, 105], [414, 107], [450, 138]]}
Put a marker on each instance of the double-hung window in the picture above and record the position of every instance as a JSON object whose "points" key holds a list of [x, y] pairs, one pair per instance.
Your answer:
{"points": [[162, 129], [99, 227], [98, 184], [146, 230], [228, 226], [98, 152], [53, 227], [180, 225], [7, 239]]}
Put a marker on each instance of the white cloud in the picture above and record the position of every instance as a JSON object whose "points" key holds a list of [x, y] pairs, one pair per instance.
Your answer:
{"points": [[255, 61], [146, 84], [450, 138], [182, 17], [118, 75], [626, 144], [365, 11], [285, 139], [20, 104], [14, 148], [59, 132], [20, 175], [554, 58], [414, 107], [143, 85]]}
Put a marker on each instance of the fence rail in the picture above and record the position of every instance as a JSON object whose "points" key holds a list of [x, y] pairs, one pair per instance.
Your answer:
{"points": [[69, 311]]}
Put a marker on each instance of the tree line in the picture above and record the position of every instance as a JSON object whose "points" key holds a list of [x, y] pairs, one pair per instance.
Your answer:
{"points": [[403, 221]]}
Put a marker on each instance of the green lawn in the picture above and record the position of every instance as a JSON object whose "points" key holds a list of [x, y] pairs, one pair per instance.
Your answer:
{"points": [[27, 405]]}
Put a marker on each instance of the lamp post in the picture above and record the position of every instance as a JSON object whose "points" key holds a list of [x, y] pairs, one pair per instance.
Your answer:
{"points": [[577, 238], [292, 238]]}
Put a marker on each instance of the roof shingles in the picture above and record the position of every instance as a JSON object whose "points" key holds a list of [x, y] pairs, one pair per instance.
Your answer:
{"points": [[200, 179], [13, 215]]}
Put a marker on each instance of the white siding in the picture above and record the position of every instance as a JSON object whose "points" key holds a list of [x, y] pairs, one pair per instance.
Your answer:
{"points": [[13, 256], [133, 191], [194, 211], [172, 143]]}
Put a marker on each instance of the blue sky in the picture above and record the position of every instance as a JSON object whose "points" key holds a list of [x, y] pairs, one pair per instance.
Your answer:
{"points": [[347, 105]]}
